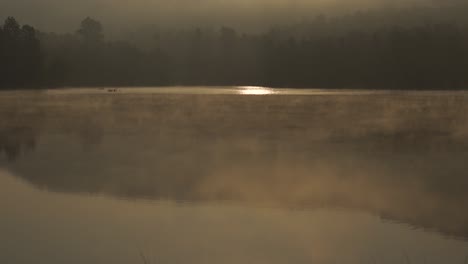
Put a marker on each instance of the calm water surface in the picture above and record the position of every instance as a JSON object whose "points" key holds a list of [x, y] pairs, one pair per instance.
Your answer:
{"points": [[233, 175]]}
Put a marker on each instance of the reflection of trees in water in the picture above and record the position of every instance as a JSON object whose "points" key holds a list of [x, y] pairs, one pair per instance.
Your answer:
{"points": [[391, 157], [89, 132], [423, 187], [15, 141], [19, 131], [397, 186], [21, 123]]}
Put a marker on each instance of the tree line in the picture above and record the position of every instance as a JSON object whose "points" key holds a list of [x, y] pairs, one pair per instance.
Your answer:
{"points": [[426, 56]]}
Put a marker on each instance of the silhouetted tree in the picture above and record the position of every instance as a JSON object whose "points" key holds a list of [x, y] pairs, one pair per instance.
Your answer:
{"points": [[21, 57], [327, 52], [31, 64], [91, 30], [11, 28]]}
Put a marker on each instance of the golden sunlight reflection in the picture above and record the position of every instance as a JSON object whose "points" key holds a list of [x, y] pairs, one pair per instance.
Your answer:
{"points": [[255, 90]]}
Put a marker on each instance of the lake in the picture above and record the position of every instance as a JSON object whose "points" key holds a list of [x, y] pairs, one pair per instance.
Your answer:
{"points": [[233, 175]]}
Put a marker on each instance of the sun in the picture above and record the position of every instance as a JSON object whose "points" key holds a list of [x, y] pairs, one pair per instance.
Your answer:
{"points": [[255, 90]]}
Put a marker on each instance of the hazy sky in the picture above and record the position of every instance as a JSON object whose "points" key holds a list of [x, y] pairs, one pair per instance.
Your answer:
{"points": [[65, 15]]}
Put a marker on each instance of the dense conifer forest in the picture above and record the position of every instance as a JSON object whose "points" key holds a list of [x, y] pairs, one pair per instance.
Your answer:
{"points": [[316, 54]]}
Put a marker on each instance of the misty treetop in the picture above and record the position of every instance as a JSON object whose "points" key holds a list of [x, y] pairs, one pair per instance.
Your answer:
{"points": [[91, 30], [20, 55], [314, 55]]}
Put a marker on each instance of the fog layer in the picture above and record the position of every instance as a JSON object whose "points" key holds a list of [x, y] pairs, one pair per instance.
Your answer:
{"points": [[62, 16]]}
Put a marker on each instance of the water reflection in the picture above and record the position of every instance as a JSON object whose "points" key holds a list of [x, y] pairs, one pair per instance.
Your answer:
{"points": [[15, 141], [402, 158]]}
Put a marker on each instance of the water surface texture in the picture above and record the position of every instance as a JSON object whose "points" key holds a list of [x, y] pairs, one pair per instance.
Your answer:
{"points": [[233, 175]]}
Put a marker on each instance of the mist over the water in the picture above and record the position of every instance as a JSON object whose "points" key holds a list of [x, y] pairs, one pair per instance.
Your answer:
{"points": [[121, 16]]}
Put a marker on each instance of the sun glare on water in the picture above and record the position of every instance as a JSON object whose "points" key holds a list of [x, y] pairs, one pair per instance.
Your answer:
{"points": [[255, 90]]}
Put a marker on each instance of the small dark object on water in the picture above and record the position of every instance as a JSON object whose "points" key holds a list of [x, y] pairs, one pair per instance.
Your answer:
{"points": [[111, 90]]}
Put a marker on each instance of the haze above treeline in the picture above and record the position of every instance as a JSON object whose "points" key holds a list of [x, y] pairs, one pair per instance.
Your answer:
{"points": [[121, 16]]}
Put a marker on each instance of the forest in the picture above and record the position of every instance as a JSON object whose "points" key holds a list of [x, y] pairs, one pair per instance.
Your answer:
{"points": [[316, 54]]}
